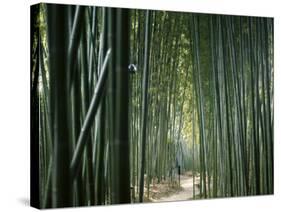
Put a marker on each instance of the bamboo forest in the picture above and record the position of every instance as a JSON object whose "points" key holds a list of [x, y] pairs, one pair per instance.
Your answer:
{"points": [[132, 106]]}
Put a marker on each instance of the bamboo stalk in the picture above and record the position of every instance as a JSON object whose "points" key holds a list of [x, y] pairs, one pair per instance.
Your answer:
{"points": [[84, 133]]}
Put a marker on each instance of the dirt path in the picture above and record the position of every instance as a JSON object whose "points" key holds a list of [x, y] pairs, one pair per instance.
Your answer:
{"points": [[185, 193]]}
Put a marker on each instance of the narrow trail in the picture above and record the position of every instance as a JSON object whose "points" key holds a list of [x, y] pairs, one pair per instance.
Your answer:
{"points": [[185, 193]]}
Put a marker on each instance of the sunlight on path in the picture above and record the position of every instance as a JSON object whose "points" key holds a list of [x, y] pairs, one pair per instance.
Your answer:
{"points": [[185, 194]]}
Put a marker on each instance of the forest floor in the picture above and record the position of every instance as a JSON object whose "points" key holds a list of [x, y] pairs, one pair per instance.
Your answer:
{"points": [[164, 192]]}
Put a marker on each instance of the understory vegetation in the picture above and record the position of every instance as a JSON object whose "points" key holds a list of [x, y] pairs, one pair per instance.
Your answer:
{"points": [[127, 99]]}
